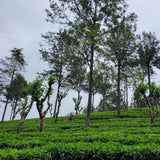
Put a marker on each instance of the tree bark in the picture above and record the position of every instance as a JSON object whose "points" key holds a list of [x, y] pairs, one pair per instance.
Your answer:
{"points": [[77, 105], [118, 90], [11, 114], [90, 87], [152, 118], [42, 124], [92, 103], [5, 108], [126, 93], [152, 114], [149, 81], [59, 104], [58, 89], [14, 109], [20, 124]]}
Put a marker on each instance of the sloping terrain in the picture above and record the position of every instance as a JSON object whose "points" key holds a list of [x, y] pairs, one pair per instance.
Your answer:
{"points": [[129, 136]]}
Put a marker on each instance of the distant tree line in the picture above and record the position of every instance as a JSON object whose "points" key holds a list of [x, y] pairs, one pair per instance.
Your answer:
{"points": [[96, 50]]}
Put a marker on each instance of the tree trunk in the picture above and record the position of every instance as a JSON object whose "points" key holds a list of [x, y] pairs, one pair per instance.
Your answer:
{"points": [[14, 110], [5, 108], [11, 114], [42, 124], [149, 81], [15, 114], [157, 106], [152, 114], [20, 124], [152, 117], [118, 90], [59, 104], [78, 99], [58, 89], [90, 87], [93, 103], [126, 93], [103, 103]]}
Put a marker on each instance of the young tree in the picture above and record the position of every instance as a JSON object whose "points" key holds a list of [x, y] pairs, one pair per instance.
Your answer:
{"points": [[121, 44], [155, 90], [88, 20], [40, 93], [148, 51], [61, 95], [24, 110], [77, 103], [137, 76], [10, 67]]}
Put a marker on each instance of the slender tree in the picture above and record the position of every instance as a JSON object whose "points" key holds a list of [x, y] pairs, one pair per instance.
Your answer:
{"points": [[76, 78], [10, 67], [17, 92], [121, 44], [61, 95], [56, 56]]}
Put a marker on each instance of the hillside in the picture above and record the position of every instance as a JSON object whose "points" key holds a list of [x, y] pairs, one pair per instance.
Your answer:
{"points": [[129, 136]]}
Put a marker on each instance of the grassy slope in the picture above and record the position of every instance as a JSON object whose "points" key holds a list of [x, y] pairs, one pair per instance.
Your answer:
{"points": [[130, 136]]}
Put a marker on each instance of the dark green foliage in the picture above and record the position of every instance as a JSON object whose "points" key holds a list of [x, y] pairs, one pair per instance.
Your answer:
{"points": [[129, 136]]}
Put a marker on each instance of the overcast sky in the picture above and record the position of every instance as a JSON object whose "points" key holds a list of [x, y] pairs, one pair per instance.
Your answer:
{"points": [[23, 21]]}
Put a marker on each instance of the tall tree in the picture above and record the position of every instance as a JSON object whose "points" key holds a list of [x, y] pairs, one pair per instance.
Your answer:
{"points": [[121, 44], [10, 67], [149, 57], [56, 56], [17, 92], [87, 20], [76, 77]]}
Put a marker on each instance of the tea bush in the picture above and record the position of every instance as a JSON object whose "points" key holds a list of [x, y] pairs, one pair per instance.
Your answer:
{"points": [[129, 136]]}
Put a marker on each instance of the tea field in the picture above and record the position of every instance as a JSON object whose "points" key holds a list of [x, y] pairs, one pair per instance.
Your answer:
{"points": [[129, 136]]}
